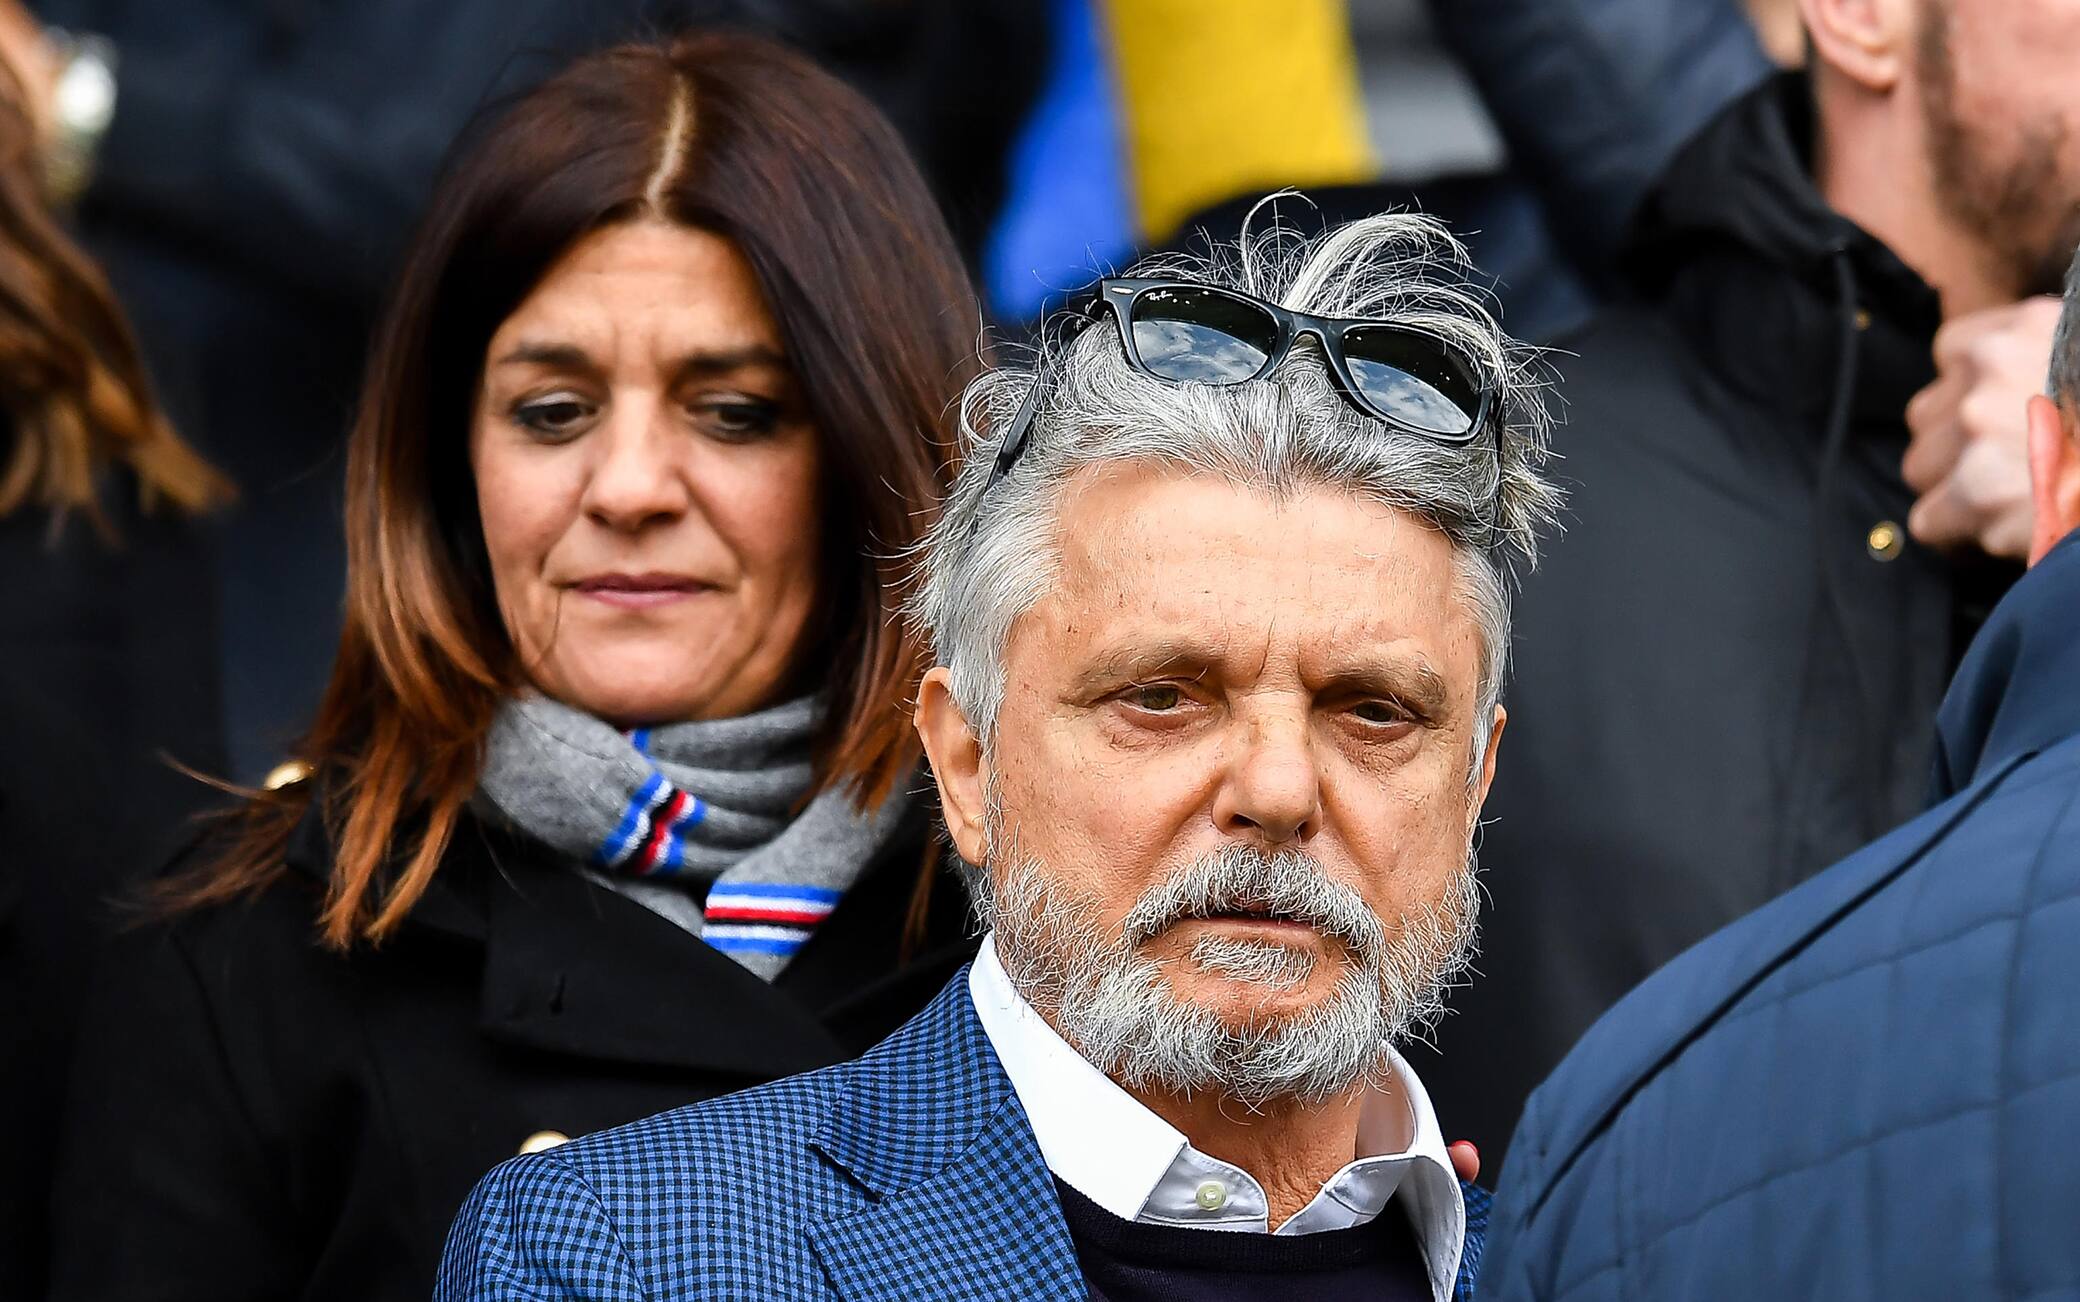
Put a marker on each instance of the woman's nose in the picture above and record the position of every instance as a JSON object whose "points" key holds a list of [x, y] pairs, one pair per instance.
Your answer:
{"points": [[638, 478], [1272, 789]]}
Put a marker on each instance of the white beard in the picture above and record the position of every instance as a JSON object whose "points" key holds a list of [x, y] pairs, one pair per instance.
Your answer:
{"points": [[1117, 1008]]}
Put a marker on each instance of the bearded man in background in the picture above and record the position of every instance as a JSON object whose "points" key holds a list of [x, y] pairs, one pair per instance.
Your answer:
{"points": [[1794, 455]]}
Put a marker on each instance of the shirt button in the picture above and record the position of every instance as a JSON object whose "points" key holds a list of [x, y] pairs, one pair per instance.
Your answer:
{"points": [[541, 1141], [1211, 1196], [1885, 541]]}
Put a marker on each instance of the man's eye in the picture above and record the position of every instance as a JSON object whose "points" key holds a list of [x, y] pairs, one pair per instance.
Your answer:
{"points": [[554, 418], [1156, 698], [1380, 712]]}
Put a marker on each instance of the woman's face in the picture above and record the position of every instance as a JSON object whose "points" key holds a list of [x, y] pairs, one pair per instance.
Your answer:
{"points": [[647, 479]]}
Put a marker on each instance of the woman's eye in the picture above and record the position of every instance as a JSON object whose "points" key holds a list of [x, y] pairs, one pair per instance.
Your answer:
{"points": [[553, 418], [1157, 698], [738, 418]]}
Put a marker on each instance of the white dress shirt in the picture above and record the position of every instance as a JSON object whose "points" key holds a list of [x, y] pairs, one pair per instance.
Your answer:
{"points": [[1101, 1142]]}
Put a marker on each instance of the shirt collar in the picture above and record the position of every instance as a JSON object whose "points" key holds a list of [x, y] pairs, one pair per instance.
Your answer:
{"points": [[1103, 1143]]}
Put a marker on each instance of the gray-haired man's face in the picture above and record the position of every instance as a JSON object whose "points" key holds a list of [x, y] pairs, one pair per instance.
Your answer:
{"points": [[1232, 763]]}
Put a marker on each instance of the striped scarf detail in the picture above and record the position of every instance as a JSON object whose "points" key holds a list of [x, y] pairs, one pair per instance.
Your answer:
{"points": [[650, 839], [764, 917], [664, 814]]}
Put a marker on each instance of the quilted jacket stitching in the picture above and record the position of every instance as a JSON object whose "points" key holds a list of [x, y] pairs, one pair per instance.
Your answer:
{"points": [[2006, 1075]]}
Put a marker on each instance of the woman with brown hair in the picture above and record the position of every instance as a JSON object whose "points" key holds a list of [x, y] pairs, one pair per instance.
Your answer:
{"points": [[611, 801], [107, 652]]}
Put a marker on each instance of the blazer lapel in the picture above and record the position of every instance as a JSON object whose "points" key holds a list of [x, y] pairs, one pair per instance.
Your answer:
{"points": [[960, 1201], [1478, 1203]]}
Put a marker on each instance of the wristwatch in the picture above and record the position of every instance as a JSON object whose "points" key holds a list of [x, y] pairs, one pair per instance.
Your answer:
{"points": [[82, 105]]}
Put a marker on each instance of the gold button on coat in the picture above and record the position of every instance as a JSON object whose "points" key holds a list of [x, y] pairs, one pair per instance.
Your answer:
{"points": [[541, 1141], [286, 774], [1885, 541]]}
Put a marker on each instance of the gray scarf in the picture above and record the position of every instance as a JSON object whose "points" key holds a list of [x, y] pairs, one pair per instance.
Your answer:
{"points": [[659, 813]]}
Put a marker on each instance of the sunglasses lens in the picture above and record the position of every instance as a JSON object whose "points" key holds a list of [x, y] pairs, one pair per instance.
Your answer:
{"points": [[1413, 378], [1201, 336]]}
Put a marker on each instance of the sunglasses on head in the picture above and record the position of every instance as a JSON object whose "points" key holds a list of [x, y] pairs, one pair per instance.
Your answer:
{"points": [[1191, 333]]}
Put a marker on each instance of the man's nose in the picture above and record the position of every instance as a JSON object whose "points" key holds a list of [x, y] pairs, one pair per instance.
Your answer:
{"points": [[1272, 789], [637, 479]]}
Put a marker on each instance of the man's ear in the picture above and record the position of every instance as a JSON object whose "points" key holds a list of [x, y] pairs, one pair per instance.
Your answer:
{"points": [[1867, 42], [957, 766], [1488, 759], [2054, 477]]}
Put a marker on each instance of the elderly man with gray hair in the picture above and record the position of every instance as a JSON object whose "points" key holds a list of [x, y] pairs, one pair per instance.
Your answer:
{"points": [[1220, 606]]}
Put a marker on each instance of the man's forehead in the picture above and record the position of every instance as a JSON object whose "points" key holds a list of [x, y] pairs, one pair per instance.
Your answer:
{"points": [[1154, 531], [1163, 564]]}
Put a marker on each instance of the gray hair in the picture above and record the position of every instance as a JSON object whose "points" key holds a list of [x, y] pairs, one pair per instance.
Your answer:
{"points": [[1115, 1007], [988, 559], [2064, 385]]}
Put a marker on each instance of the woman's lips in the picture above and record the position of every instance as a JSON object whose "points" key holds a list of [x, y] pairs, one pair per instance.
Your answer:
{"points": [[639, 591]]}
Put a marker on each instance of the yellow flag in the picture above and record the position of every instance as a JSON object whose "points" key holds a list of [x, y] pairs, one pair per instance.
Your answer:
{"points": [[1222, 97]]}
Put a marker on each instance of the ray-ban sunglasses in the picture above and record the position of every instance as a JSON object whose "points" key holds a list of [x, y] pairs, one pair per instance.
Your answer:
{"points": [[1191, 333]]}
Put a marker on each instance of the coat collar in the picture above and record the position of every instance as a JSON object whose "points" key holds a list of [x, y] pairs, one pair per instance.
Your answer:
{"points": [[2013, 692], [1737, 245], [570, 968], [960, 1200]]}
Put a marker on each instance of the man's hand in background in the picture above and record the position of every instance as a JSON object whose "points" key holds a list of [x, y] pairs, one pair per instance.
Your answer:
{"points": [[1967, 454]]}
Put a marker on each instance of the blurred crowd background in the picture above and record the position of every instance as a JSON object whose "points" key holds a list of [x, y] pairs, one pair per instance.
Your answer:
{"points": [[268, 160], [261, 164]]}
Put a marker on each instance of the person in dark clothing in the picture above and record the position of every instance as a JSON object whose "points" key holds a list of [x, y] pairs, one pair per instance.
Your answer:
{"points": [[1727, 672], [1594, 97], [1870, 1088], [258, 170], [103, 675], [612, 803]]}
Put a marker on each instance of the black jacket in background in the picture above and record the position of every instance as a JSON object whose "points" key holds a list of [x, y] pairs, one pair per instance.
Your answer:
{"points": [[1722, 682], [107, 663], [255, 1118]]}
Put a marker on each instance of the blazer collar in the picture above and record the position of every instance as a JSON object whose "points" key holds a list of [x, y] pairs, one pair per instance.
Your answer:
{"points": [[960, 1201]]}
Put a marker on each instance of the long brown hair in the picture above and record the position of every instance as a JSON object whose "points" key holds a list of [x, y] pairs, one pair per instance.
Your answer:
{"points": [[71, 380], [725, 133]]}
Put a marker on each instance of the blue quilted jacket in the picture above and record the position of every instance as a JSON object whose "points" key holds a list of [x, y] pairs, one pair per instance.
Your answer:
{"points": [[1870, 1088], [911, 1173]]}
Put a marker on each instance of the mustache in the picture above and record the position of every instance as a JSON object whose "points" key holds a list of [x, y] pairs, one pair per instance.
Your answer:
{"points": [[1288, 885]]}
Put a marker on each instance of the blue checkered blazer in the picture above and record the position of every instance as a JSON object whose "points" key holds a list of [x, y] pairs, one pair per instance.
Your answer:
{"points": [[910, 1173]]}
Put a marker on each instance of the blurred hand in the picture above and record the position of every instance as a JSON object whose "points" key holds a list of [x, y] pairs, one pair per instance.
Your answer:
{"points": [[26, 54], [1466, 1160], [1967, 449]]}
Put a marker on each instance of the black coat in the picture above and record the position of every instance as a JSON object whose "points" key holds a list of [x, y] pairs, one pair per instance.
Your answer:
{"points": [[254, 1117], [107, 663], [1727, 668]]}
